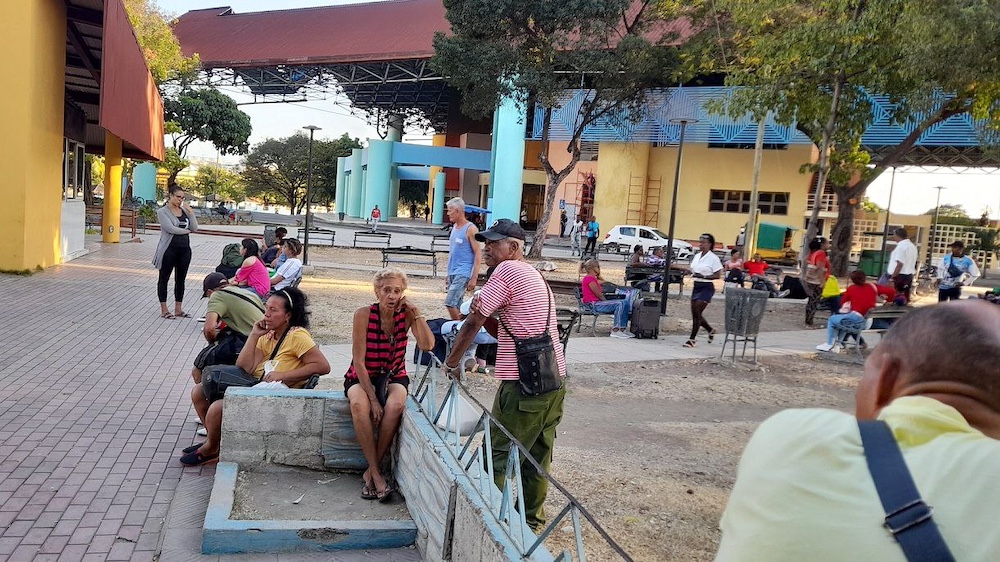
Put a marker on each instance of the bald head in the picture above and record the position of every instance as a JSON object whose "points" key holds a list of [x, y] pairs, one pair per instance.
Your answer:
{"points": [[954, 342]]}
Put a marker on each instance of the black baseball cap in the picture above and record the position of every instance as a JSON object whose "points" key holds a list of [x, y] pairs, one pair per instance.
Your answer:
{"points": [[502, 228], [957, 244], [212, 282]]}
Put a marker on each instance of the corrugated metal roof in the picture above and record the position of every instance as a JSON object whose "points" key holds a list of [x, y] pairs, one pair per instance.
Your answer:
{"points": [[377, 31]]}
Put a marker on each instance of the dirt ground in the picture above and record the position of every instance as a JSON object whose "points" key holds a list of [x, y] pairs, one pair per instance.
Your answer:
{"points": [[650, 449]]}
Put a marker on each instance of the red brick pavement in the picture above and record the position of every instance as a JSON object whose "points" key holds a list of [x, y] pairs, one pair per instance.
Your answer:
{"points": [[94, 404]]}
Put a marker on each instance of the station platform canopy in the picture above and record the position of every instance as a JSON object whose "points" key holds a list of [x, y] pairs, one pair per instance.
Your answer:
{"points": [[374, 53]]}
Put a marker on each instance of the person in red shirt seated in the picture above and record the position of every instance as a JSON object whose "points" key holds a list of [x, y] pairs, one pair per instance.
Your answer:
{"points": [[756, 269], [855, 303]]}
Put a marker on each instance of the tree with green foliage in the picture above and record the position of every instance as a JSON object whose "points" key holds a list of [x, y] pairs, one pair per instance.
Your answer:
{"points": [[987, 241], [158, 43], [218, 184], [870, 206], [540, 51], [948, 210], [205, 114], [278, 169], [813, 62]]}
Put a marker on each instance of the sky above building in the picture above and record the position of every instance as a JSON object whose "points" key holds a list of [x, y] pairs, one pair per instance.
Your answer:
{"points": [[912, 193]]}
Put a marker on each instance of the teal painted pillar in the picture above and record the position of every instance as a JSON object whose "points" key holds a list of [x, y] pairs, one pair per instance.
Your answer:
{"points": [[510, 122], [364, 188], [437, 212], [341, 191], [357, 185], [394, 195], [378, 179]]}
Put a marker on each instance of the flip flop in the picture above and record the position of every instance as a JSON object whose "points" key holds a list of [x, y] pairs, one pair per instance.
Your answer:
{"points": [[689, 343], [167, 315], [183, 315], [386, 494], [367, 493], [192, 448], [196, 458]]}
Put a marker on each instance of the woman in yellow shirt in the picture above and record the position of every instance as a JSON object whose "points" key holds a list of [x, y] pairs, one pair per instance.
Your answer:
{"points": [[279, 348]]}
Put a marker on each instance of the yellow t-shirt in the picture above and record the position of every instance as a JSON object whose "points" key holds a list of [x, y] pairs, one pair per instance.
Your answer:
{"points": [[803, 491], [289, 357]]}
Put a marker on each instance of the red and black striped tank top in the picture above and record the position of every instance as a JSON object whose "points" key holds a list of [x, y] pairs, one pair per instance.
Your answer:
{"points": [[382, 351]]}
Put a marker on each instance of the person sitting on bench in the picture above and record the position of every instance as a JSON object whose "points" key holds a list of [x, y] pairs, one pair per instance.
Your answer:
{"points": [[856, 301]]}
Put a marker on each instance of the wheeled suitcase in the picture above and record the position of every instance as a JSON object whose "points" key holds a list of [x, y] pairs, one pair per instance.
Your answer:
{"points": [[646, 318]]}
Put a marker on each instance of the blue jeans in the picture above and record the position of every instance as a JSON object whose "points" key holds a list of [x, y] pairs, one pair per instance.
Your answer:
{"points": [[840, 325], [619, 307], [456, 290]]}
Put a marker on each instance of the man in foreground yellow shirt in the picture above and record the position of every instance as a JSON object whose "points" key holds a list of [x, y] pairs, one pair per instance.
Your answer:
{"points": [[803, 490]]}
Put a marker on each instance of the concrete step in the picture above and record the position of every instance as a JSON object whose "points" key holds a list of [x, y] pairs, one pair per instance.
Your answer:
{"points": [[283, 509]]}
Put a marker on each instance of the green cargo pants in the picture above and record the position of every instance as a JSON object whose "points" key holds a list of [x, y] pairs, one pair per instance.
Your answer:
{"points": [[532, 420]]}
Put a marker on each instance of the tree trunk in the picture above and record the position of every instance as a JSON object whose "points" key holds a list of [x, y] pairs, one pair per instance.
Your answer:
{"points": [[553, 180], [841, 238], [824, 159]]}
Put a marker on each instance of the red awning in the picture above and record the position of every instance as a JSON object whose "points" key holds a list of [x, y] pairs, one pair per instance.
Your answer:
{"points": [[131, 107]]}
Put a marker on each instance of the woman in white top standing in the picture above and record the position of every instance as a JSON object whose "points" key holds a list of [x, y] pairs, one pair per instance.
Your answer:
{"points": [[705, 266]]}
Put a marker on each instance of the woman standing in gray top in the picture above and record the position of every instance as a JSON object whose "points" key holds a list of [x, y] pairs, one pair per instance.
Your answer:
{"points": [[173, 252]]}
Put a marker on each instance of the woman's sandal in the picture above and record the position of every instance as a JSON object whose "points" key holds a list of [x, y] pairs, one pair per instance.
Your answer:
{"points": [[167, 315], [711, 336], [368, 493], [386, 494], [689, 343], [183, 315]]}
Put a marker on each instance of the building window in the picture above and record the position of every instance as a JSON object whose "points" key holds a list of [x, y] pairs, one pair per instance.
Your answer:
{"points": [[735, 201], [73, 170]]}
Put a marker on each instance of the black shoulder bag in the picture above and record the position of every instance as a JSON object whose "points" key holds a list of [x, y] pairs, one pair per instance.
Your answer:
{"points": [[228, 343], [537, 368], [908, 518], [217, 378]]}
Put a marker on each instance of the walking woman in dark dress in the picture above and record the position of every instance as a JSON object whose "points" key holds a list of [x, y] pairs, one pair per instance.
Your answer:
{"points": [[173, 252]]}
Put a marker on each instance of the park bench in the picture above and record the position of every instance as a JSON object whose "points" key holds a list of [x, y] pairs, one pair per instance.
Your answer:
{"points": [[638, 274], [317, 235], [856, 338], [410, 255], [372, 239], [587, 310], [128, 219], [245, 217], [440, 243], [614, 250]]}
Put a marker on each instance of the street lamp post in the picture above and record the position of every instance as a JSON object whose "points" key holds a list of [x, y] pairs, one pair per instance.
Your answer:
{"points": [[885, 229], [683, 121], [937, 212], [309, 185]]}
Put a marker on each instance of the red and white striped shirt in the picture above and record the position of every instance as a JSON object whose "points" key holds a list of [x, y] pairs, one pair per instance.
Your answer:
{"points": [[522, 297]]}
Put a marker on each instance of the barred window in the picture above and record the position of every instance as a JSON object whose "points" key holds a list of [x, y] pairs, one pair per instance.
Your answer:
{"points": [[736, 201]]}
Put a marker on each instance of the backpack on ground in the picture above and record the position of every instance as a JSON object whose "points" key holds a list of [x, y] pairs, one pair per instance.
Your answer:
{"points": [[646, 318], [231, 255]]}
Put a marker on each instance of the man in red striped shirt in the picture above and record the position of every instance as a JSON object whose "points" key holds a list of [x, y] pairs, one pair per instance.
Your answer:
{"points": [[518, 294]]}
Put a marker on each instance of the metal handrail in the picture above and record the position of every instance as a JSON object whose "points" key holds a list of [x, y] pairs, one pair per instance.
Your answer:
{"points": [[506, 504]]}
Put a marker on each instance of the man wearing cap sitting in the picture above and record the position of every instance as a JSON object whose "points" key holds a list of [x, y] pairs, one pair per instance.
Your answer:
{"points": [[232, 312], [954, 272], [809, 488], [522, 299]]}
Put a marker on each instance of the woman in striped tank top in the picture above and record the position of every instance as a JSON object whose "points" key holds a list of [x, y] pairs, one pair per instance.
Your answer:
{"points": [[376, 382]]}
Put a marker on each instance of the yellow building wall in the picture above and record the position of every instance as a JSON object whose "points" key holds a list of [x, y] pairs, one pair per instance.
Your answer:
{"points": [[702, 170], [33, 36]]}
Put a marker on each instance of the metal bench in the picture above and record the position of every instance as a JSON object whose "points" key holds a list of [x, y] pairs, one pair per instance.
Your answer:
{"points": [[317, 235], [372, 239], [128, 219], [637, 274], [440, 243], [856, 338], [586, 310], [409, 254]]}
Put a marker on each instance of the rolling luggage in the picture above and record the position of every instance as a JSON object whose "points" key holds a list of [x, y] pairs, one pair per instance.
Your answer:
{"points": [[646, 318]]}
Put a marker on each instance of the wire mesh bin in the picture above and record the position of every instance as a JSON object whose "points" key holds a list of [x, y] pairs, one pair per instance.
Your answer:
{"points": [[744, 311]]}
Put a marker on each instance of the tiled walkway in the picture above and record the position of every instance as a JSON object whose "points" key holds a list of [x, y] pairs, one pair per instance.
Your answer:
{"points": [[94, 407]]}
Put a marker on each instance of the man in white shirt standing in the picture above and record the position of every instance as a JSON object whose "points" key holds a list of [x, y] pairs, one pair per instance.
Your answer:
{"points": [[903, 262]]}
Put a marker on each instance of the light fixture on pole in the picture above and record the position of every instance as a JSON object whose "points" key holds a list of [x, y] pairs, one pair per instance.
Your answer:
{"points": [[933, 237], [885, 229], [309, 185], [683, 122]]}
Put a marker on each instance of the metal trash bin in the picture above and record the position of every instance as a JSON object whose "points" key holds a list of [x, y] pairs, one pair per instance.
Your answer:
{"points": [[269, 236], [745, 309]]}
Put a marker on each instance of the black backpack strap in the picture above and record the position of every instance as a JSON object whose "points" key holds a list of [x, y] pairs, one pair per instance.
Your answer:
{"points": [[908, 518], [236, 293]]}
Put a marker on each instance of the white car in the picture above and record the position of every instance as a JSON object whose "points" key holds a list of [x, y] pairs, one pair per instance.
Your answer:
{"points": [[625, 237]]}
